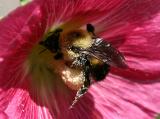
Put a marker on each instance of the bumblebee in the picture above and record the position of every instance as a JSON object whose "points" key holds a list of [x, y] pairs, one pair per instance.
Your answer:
{"points": [[85, 51]]}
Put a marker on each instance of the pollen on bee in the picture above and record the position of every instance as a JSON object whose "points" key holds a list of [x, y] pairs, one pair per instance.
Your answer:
{"points": [[71, 54], [83, 42], [73, 78]]}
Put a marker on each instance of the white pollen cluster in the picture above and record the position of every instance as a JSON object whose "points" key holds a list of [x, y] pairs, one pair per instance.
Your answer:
{"points": [[73, 78]]}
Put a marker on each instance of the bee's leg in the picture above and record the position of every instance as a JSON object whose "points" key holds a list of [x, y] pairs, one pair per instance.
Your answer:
{"points": [[90, 28], [84, 62]]}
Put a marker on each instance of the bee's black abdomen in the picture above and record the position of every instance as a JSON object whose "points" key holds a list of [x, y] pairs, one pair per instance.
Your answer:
{"points": [[99, 72]]}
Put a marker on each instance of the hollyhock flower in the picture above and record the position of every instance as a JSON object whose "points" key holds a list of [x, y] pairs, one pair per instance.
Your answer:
{"points": [[29, 89]]}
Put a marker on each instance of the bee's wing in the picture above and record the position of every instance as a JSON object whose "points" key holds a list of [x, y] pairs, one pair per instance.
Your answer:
{"points": [[103, 51]]}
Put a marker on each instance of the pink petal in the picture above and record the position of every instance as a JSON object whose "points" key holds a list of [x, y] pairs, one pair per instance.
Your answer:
{"points": [[141, 50], [117, 98], [20, 30], [3, 115], [17, 28]]}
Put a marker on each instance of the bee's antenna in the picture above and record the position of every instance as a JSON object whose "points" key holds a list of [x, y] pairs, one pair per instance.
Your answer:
{"points": [[90, 28], [42, 51]]}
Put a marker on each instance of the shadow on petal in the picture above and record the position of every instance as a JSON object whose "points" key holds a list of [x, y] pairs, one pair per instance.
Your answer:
{"points": [[136, 75]]}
